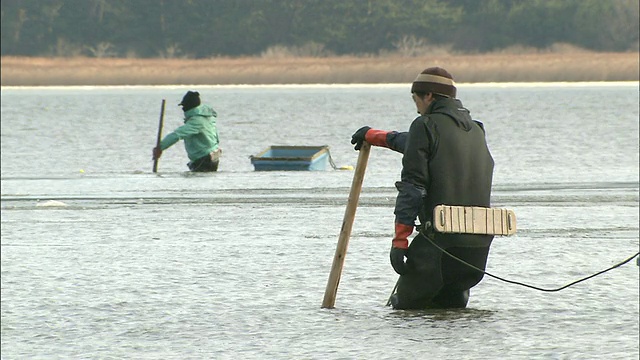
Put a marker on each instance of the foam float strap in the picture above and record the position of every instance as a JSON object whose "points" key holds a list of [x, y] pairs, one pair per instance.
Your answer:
{"points": [[474, 220]]}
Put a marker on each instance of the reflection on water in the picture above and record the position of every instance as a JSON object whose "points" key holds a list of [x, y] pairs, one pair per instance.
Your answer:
{"points": [[438, 316]]}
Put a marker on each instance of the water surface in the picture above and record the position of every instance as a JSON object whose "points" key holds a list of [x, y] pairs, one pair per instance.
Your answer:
{"points": [[234, 264]]}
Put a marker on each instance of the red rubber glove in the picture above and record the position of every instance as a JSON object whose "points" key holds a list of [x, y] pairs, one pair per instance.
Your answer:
{"points": [[157, 152], [377, 137], [372, 136], [399, 248]]}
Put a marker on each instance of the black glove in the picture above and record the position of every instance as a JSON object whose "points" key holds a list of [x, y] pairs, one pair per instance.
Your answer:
{"points": [[157, 152], [397, 256], [358, 137]]}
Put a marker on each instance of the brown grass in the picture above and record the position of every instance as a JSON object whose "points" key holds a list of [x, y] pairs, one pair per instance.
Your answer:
{"points": [[499, 67]]}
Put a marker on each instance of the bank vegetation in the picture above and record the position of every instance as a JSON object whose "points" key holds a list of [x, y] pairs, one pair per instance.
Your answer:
{"points": [[494, 67]]}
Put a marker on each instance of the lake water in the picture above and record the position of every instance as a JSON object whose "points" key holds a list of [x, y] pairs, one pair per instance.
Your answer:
{"points": [[234, 264]]}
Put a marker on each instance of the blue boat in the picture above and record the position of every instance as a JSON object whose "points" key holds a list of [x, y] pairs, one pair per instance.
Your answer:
{"points": [[291, 158]]}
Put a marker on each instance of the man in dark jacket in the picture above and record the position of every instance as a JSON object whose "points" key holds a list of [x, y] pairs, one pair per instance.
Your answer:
{"points": [[445, 161]]}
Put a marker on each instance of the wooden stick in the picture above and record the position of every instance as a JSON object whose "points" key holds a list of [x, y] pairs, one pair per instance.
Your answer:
{"points": [[345, 232], [393, 292], [155, 162]]}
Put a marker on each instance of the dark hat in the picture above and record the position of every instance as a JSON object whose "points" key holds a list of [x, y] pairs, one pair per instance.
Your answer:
{"points": [[435, 80], [190, 100]]}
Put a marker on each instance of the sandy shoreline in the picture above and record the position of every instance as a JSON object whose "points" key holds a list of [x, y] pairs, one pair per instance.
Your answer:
{"points": [[548, 67]]}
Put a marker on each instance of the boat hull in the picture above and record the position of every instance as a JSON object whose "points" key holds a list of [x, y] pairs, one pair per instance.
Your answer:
{"points": [[292, 158]]}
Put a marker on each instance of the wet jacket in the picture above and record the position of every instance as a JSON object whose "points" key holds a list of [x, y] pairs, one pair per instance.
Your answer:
{"points": [[446, 161], [199, 132]]}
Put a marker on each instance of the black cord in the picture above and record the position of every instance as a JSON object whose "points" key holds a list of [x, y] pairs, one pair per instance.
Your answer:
{"points": [[527, 285]]}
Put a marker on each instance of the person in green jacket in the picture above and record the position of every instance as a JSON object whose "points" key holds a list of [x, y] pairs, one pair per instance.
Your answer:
{"points": [[199, 132]]}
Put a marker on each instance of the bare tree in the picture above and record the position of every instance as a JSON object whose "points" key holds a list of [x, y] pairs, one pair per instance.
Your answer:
{"points": [[102, 50]]}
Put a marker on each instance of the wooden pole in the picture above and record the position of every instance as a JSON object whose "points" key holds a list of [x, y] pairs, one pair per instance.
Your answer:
{"points": [[155, 162], [347, 223]]}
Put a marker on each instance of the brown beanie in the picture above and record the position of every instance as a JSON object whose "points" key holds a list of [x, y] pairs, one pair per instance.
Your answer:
{"points": [[435, 80]]}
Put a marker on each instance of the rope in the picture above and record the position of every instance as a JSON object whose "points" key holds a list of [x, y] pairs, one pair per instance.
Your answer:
{"points": [[517, 282], [333, 164]]}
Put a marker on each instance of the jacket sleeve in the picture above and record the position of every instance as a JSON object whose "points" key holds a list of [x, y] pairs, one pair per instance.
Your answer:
{"points": [[415, 174], [397, 141], [189, 128]]}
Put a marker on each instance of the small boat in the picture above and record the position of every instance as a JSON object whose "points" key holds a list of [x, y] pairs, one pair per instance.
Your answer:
{"points": [[291, 158]]}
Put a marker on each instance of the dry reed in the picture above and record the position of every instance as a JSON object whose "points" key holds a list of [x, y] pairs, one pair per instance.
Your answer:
{"points": [[545, 67]]}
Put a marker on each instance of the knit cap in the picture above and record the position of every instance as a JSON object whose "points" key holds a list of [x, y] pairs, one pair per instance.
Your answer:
{"points": [[435, 80], [190, 100]]}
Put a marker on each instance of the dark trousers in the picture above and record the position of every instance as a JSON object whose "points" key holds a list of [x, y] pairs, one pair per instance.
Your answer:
{"points": [[434, 279], [204, 164]]}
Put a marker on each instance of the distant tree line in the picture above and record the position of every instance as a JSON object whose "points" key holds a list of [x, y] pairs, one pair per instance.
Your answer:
{"points": [[210, 28]]}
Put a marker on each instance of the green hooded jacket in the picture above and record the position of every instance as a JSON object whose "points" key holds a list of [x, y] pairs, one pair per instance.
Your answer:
{"points": [[199, 132]]}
